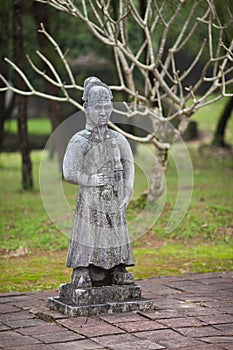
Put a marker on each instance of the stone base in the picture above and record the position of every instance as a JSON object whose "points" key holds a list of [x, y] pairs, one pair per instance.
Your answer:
{"points": [[95, 309], [93, 301]]}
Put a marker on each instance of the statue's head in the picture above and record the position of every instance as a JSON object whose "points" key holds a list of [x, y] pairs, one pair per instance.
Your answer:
{"points": [[98, 104]]}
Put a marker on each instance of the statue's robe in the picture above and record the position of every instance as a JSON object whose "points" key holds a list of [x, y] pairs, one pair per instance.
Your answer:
{"points": [[99, 235]]}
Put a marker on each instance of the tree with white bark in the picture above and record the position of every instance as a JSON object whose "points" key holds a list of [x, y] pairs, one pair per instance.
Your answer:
{"points": [[146, 43]]}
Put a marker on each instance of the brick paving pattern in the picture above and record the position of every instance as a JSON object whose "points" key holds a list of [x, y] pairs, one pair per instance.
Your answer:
{"points": [[191, 312]]}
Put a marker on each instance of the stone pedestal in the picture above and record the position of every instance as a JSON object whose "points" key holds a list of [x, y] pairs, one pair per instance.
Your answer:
{"points": [[93, 301]]}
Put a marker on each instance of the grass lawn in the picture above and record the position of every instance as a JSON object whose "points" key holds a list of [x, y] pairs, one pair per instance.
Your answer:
{"points": [[33, 251], [35, 126]]}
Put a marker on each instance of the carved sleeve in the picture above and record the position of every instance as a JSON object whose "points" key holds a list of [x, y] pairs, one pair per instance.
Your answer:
{"points": [[128, 165], [73, 161]]}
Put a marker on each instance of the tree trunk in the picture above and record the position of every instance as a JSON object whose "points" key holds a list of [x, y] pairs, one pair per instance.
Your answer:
{"points": [[222, 123], [3, 117], [4, 35], [27, 181], [157, 177]]}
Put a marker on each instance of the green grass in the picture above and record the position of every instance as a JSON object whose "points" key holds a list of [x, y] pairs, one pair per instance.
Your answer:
{"points": [[203, 241], [46, 269], [174, 258], [37, 126], [24, 221], [208, 116], [37, 271], [209, 216]]}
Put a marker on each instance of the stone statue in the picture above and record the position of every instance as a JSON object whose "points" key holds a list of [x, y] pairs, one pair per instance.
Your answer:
{"points": [[100, 161]]}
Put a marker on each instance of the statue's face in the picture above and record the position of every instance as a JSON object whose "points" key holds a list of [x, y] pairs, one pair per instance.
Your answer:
{"points": [[99, 106], [99, 113]]}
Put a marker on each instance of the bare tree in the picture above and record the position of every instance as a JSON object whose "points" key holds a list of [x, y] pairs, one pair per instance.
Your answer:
{"points": [[5, 108], [218, 139], [219, 133], [41, 15], [21, 102], [162, 92]]}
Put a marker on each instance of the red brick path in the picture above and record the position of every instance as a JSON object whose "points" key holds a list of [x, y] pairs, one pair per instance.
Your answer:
{"points": [[192, 312]]}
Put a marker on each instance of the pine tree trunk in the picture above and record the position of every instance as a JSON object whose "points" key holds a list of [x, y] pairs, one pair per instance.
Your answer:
{"points": [[27, 181], [222, 123]]}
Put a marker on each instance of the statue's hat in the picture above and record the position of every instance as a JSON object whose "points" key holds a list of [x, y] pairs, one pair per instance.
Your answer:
{"points": [[96, 91]]}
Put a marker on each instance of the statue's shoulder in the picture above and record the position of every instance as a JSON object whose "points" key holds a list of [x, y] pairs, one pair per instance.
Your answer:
{"points": [[117, 135], [80, 137]]}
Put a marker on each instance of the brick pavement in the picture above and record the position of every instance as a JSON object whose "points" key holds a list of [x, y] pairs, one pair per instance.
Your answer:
{"points": [[191, 312]]}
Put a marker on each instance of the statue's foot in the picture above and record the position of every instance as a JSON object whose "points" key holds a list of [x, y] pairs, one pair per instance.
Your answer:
{"points": [[121, 276], [100, 276], [81, 277]]}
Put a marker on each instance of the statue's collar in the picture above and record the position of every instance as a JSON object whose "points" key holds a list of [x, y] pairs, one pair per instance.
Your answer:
{"points": [[94, 132], [91, 127]]}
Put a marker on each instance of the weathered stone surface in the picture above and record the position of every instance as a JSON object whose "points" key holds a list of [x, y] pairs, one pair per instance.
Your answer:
{"points": [[83, 344], [182, 322], [95, 309], [16, 316], [199, 331], [3, 327], [138, 345], [57, 337], [23, 323], [92, 327], [44, 313], [98, 295], [183, 328], [13, 339], [217, 319], [122, 318], [99, 329], [5, 308], [75, 302], [138, 326], [127, 343], [226, 329], [227, 346], [100, 161], [39, 346], [168, 338], [217, 339], [82, 322], [28, 304], [111, 340], [42, 329]]}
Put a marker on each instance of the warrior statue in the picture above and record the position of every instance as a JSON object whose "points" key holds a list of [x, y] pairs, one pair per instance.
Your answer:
{"points": [[99, 160]]}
